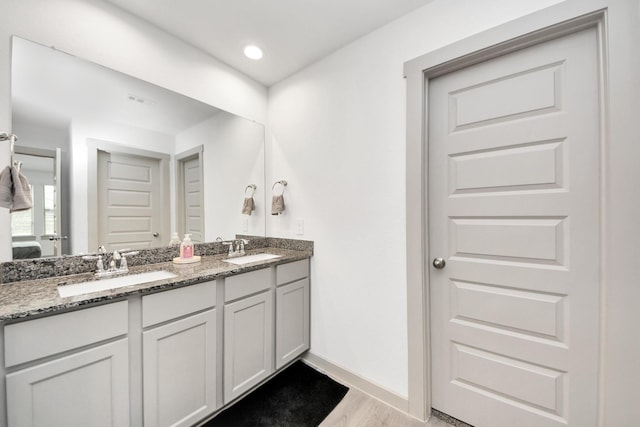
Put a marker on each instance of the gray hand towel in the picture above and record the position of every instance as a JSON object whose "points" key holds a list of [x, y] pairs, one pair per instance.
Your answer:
{"points": [[6, 188], [248, 206], [21, 191], [277, 205]]}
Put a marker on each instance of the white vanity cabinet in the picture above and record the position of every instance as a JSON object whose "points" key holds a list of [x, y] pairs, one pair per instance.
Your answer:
{"points": [[248, 331], [292, 311], [69, 369], [169, 358], [179, 355]]}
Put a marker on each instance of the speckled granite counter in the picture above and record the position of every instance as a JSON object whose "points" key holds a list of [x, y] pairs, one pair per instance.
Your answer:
{"points": [[38, 297]]}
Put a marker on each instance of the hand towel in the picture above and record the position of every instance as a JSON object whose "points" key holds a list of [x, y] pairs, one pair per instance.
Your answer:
{"points": [[6, 188], [277, 205], [248, 206], [21, 191]]}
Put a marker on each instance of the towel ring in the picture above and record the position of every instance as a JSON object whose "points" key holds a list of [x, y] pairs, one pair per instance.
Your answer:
{"points": [[253, 190], [281, 182]]}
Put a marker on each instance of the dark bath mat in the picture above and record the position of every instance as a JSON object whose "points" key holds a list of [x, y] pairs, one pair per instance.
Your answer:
{"points": [[299, 396]]}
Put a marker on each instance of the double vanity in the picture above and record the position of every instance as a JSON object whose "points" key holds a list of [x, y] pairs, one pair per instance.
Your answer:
{"points": [[170, 351]]}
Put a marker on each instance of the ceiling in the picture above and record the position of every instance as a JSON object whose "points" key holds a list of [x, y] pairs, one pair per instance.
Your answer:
{"points": [[292, 33], [50, 87]]}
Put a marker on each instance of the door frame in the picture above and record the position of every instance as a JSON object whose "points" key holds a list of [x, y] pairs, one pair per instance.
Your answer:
{"points": [[193, 153], [56, 155], [95, 145], [554, 22]]}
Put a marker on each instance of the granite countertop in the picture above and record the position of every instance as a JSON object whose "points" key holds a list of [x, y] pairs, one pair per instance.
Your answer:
{"points": [[29, 298]]}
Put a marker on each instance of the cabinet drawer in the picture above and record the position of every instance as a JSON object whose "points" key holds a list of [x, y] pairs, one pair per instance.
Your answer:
{"points": [[167, 305], [246, 284], [297, 270], [50, 335]]}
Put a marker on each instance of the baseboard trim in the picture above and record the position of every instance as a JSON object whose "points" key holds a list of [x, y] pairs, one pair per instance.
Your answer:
{"points": [[350, 379]]}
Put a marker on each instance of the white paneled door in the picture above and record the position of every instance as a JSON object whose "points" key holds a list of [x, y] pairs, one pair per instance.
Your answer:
{"points": [[192, 203], [129, 211], [514, 217]]}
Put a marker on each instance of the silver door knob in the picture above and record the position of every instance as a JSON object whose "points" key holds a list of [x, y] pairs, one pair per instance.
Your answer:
{"points": [[439, 263], [156, 234]]}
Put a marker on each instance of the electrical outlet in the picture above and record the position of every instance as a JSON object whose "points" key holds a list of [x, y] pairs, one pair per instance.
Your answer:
{"points": [[245, 225], [299, 227]]}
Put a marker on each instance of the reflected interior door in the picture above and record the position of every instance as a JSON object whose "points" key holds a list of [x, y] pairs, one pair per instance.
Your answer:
{"points": [[41, 168], [192, 203], [129, 215], [514, 214], [57, 209]]}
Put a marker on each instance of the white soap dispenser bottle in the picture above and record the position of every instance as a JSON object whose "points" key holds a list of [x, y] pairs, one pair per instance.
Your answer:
{"points": [[186, 247], [175, 240]]}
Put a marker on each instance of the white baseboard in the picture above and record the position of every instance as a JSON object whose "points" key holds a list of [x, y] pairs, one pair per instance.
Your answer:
{"points": [[350, 379]]}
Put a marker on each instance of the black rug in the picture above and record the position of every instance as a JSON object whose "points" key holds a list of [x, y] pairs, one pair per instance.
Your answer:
{"points": [[299, 396]]}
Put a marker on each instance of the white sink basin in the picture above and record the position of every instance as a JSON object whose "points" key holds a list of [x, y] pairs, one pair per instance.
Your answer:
{"points": [[113, 283], [251, 258]]}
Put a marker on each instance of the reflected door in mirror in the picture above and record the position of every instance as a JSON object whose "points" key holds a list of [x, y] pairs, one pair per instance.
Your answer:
{"points": [[192, 203], [129, 190]]}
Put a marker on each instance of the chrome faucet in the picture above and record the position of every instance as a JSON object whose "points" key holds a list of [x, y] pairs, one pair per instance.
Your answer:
{"points": [[236, 247], [123, 268]]}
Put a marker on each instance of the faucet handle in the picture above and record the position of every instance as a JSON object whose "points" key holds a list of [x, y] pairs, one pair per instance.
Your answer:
{"points": [[99, 264], [230, 244], [124, 268]]}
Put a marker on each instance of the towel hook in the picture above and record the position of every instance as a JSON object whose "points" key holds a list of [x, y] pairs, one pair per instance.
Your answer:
{"points": [[4, 136], [253, 188], [281, 182]]}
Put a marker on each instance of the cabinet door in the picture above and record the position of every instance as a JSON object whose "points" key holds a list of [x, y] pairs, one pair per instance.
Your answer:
{"points": [[292, 321], [86, 389], [179, 371], [248, 343]]}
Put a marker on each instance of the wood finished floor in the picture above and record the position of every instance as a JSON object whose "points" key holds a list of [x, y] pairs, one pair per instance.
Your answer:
{"points": [[358, 409]]}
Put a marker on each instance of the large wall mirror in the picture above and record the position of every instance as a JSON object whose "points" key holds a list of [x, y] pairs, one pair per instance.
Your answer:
{"points": [[116, 161]]}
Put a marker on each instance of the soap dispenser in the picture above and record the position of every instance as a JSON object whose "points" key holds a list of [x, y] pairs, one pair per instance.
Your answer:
{"points": [[186, 247], [175, 240]]}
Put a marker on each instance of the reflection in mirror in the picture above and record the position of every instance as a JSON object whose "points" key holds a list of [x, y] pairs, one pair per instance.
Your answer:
{"points": [[33, 231], [137, 162]]}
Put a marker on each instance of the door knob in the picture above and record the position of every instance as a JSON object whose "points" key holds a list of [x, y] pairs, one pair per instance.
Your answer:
{"points": [[439, 263], [156, 234]]}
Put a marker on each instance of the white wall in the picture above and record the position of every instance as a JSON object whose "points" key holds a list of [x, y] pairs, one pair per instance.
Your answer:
{"points": [[233, 158], [103, 33], [337, 134]]}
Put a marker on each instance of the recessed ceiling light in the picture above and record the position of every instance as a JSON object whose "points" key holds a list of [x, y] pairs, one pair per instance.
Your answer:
{"points": [[253, 52]]}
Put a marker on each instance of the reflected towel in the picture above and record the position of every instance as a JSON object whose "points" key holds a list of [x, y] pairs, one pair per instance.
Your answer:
{"points": [[21, 191], [248, 206], [277, 205], [6, 188]]}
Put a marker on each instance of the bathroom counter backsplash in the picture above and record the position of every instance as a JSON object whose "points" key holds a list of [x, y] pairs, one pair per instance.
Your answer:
{"points": [[39, 296]]}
